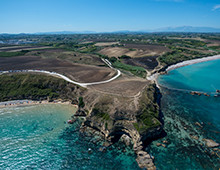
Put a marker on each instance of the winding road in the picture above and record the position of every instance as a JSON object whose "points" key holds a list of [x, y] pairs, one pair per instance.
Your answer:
{"points": [[69, 80]]}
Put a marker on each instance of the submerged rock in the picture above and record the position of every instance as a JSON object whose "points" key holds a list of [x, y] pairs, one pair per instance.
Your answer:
{"points": [[163, 145], [107, 144], [216, 149], [194, 137], [198, 124], [210, 143], [102, 149], [158, 144], [165, 141]]}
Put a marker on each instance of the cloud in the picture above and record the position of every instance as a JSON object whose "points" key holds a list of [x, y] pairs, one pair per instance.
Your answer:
{"points": [[216, 7]]}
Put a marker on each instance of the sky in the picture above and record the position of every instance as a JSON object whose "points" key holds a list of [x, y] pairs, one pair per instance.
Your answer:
{"points": [[30, 16]]}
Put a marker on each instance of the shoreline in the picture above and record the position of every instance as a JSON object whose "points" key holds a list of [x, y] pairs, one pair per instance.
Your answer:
{"points": [[17, 103], [193, 61], [182, 64]]}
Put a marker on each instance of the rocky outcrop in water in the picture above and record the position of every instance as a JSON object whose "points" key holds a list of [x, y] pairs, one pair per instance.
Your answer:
{"points": [[210, 143], [144, 160], [135, 121]]}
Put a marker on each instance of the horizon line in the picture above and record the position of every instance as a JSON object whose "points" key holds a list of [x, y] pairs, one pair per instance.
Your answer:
{"points": [[161, 29]]}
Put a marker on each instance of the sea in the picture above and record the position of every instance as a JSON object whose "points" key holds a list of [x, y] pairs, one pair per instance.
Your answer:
{"points": [[38, 137], [189, 119]]}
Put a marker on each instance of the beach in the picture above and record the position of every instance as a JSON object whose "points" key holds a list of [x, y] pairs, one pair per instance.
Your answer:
{"points": [[154, 76], [39, 137], [15, 103], [194, 61], [191, 122]]}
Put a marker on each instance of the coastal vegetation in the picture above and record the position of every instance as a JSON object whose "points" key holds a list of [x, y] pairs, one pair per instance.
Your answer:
{"points": [[13, 54], [102, 108], [148, 114], [81, 102], [138, 71], [127, 107], [36, 87], [100, 114]]}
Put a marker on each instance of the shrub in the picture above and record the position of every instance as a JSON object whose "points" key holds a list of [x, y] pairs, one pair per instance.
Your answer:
{"points": [[81, 102]]}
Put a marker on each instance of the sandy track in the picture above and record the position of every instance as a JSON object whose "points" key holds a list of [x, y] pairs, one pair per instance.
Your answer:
{"points": [[68, 79], [77, 72]]}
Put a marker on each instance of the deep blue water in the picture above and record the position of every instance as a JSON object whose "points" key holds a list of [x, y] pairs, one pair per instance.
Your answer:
{"points": [[37, 137], [182, 113]]}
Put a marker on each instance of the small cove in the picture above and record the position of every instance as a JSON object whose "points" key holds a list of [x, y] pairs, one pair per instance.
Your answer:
{"points": [[189, 119], [37, 137]]}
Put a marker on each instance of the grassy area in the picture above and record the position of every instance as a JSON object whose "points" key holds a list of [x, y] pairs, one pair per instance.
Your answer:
{"points": [[82, 48], [172, 58], [217, 48], [81, 102], [13, 54], [101, 108], [179, 55], [138, 71], [148, 114], [100, 114], [35, 87], [146, 121]]}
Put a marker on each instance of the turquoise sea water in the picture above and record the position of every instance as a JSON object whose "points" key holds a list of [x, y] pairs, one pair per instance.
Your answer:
{"points": [[201, 77], [182, 113], [37, 137]]}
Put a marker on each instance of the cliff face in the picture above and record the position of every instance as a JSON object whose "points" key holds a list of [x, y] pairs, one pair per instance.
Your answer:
{"points": [[137, 119], [134, 120], [116, 115]]}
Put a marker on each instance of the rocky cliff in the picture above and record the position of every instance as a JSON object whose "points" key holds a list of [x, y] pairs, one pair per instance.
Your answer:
{"points": [[134, 120]]}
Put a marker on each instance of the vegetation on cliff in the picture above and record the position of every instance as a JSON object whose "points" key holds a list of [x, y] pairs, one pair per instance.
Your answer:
{"points": [[36, 87], [148, 114], [100, 114]]}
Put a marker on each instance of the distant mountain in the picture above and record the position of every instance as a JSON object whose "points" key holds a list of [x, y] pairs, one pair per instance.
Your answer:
{"points": [[175, 29], [66, 32], [165, 29], [187, 29], [87, 32]]}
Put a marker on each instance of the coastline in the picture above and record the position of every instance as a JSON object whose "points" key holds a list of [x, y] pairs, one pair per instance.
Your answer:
{"points": [[16, 103], [194, 61], [154, 76]]}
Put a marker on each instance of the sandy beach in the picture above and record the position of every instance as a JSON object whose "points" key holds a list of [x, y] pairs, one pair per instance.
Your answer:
{"points": [[194, 61], [154, 76], [15, 103]]}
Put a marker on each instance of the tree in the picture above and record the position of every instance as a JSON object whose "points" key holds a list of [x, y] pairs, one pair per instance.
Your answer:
{"points": [[81, 102]]}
